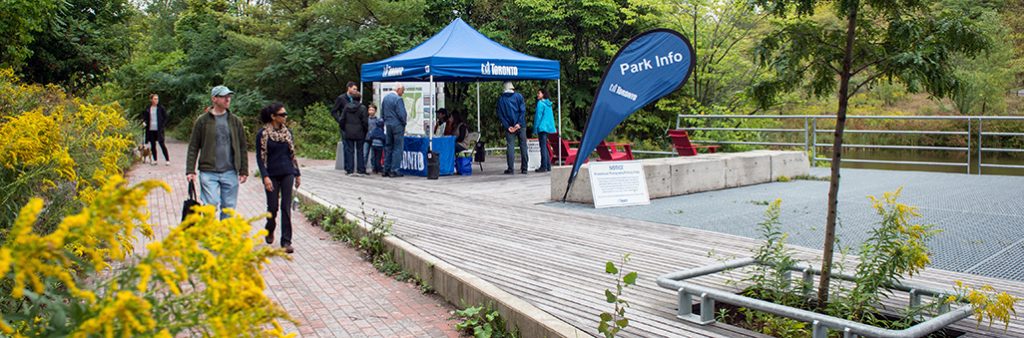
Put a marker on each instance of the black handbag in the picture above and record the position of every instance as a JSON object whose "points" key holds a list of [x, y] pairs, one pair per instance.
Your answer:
{"points": [[186, 208]]}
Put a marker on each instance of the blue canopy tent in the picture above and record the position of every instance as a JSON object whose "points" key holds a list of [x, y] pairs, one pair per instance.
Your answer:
{"points": [[459, 53]]}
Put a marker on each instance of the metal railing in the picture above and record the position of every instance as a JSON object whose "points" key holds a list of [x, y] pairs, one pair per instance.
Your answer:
{"points": [[970, 130], [820, 323]]}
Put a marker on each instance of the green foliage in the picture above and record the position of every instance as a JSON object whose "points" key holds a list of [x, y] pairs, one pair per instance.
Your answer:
{"points": [[22, 19], [772, 325], [613, 322], [983, 79], [371, 243], [316, 133], [770, 278], [894, 249], [483, 322], [84, 40]]}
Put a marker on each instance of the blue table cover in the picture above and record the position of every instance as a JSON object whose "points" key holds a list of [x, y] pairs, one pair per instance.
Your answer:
{"points": [[414, 159]]}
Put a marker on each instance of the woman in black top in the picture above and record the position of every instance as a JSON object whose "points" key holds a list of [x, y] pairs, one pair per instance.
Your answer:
{"points": [[154, 117], [275, 155]]}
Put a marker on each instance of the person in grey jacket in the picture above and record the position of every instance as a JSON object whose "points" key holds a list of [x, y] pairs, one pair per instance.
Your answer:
{"points": [[218, 142], [393, 111]]}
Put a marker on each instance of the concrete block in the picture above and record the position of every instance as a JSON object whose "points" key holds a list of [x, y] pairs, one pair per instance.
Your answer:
{"points": [[747, 168], [697, 175], [790, 164], [658, 175], [580, 192]]}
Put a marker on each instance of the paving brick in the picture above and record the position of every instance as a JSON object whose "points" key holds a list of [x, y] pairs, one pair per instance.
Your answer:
{"points": [[327, 286]]}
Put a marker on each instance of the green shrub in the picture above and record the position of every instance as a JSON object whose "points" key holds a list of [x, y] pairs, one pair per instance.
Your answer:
{"points": [[316, 133]]}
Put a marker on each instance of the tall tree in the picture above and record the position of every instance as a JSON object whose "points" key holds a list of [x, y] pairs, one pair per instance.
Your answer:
{"points": [[856, 43], [81, 43], [583, 36], [20, 21], [986, 78], [724, 34]]}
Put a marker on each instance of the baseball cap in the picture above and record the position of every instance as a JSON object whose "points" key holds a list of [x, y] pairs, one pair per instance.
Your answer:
{"points": [[221, 91]]}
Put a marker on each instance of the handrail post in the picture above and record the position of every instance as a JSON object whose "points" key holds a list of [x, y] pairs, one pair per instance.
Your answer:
{"points": [[814, 142], [806, 136], [981, 134], [969, 146]]}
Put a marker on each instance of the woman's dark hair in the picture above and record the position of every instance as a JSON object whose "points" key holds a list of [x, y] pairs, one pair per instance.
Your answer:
{"points": [[267, 113], [458, 116], [544, 93]]}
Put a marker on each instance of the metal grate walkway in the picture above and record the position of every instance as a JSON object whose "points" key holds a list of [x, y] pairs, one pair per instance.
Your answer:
{"points": [[981, 217]]}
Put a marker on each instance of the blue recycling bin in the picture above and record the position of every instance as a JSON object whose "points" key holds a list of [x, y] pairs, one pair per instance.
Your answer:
{"points": [[414, 158]]}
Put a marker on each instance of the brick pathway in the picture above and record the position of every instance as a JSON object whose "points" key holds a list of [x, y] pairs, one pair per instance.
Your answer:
{"points": [[327, 287]]}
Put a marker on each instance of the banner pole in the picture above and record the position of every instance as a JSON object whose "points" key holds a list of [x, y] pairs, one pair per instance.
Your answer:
{"points": [[560, 159]]}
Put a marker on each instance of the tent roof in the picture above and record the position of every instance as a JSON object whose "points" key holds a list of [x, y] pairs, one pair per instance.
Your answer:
{"points": [[460, 53]]}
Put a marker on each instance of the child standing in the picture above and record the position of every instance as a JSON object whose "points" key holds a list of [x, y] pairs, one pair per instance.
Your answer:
{"points": [[375, 139]]}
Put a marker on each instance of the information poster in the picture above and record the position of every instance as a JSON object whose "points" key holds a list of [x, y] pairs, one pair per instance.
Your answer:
{"points": [[417, 103], [618, 184], [533, 152]]}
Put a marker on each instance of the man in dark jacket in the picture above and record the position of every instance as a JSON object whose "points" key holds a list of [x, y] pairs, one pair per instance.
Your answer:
{"points": [[341, 101], [218, 143], [512, 114], [155, 120], [354, 123]]}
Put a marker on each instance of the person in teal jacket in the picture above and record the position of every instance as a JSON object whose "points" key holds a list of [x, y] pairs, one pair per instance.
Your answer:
{"points": [[544, 124]]}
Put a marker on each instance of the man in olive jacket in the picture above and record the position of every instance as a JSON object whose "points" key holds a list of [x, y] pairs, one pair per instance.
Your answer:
{"points": [[218, 142]]}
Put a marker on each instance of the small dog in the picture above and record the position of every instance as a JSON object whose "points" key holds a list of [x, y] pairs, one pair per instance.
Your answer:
{"points": [[143, 153]]}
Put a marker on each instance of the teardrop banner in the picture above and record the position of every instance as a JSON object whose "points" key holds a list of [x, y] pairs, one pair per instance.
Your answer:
{"points": [[650, 66]]}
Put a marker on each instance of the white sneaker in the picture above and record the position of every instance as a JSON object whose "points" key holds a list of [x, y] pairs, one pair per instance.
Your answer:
{"points": [[167, 163], [152, 163]]}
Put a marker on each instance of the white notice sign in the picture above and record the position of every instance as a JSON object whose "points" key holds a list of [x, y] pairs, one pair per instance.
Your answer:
{"points": [[617, 184]]}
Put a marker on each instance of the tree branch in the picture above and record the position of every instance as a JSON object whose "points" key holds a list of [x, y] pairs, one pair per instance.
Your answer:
{"points": [[866, 81]]}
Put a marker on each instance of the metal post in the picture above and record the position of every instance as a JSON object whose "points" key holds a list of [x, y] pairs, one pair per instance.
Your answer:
{"points": [[707, 309], [685, 307], [433, 111], [968, 146], [818, 330], [560, 159], [478, 107], [981, 134], [814, 142], [806, 136]]}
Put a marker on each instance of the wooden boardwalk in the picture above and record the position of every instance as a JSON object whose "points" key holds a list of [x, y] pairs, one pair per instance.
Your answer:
{"points": [[496, 227]]}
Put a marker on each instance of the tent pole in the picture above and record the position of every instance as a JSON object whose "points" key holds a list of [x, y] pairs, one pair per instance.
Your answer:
{"points": [[478, 107], [560, 159], [433, 112]]}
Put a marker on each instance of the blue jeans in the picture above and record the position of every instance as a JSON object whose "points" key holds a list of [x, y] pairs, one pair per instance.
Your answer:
{"points": [[354, 148], [394, 148], [510, 149], [545, 155], [219, 189]]}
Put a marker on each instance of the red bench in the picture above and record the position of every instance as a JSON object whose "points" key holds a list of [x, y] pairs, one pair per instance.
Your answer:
{"points": [[681, 142]]}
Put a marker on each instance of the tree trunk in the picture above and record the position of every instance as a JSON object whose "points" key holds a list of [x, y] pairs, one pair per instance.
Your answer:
{"points": [[837, 152]]}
